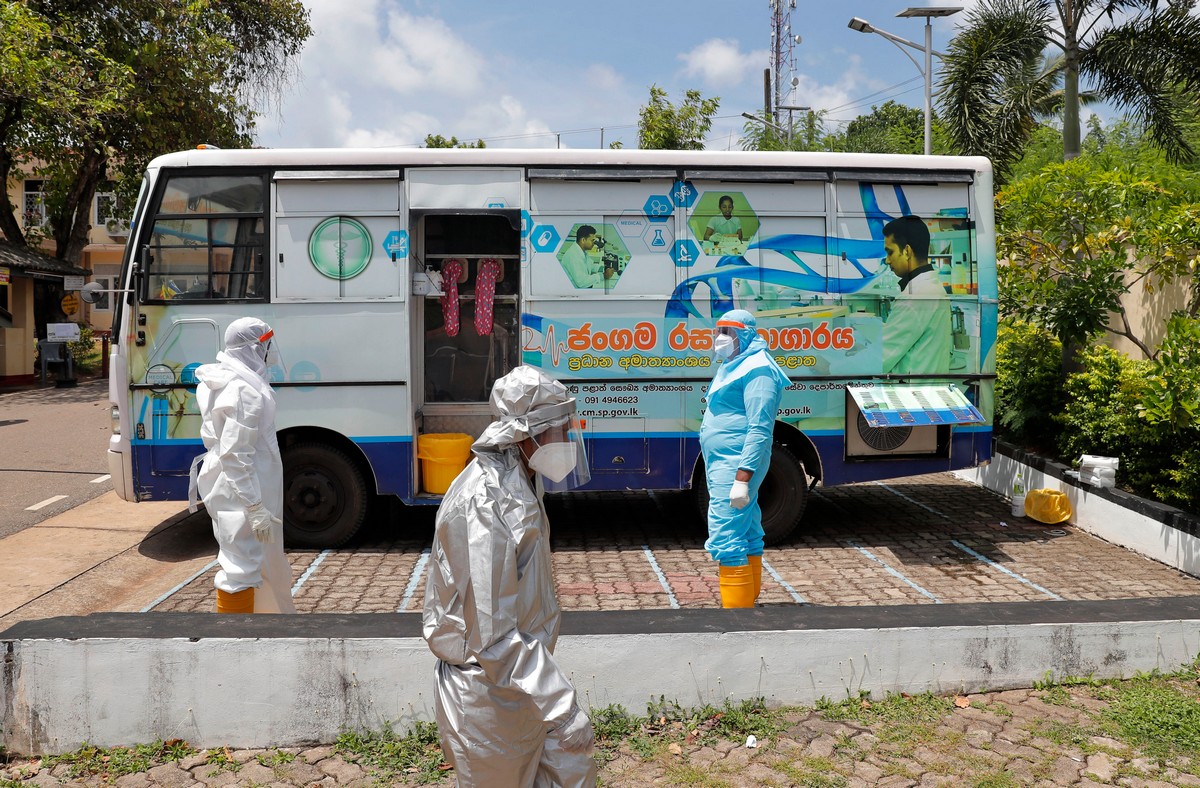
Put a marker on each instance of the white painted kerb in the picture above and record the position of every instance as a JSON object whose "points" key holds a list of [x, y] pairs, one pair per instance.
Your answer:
{"points": [[58, 694]]}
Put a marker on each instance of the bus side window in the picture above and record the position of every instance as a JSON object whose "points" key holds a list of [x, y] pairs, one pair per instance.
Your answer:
{"points": [[207, 240]]}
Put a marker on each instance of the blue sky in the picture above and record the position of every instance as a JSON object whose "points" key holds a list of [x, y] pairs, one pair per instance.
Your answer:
{"points": [[540, 73]]}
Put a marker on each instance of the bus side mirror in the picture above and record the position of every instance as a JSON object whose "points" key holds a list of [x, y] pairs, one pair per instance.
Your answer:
{"points": [[91, 292]]}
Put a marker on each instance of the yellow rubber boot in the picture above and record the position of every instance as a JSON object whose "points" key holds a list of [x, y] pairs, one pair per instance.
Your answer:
{"points": [[237, 602], [756, 573], [737, 586]]}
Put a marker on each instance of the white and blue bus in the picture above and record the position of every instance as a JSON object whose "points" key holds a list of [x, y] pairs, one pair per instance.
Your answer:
{"points": [[402, 283]]}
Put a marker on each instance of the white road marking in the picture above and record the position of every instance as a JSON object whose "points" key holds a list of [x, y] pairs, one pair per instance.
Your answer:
{"points": [[892, 570], [414, 580], [102, 479], [45, 503], [783, 583], [981, 557], [308, 572], [662, 578], [179, 587]]}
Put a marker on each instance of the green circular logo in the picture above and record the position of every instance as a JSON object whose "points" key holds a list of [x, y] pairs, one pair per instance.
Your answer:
{"points": [[340, 247]]}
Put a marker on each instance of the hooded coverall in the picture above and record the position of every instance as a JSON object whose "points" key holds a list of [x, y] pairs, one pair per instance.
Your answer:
{"points": [[736, 433], [242, 467], [491, 615]]}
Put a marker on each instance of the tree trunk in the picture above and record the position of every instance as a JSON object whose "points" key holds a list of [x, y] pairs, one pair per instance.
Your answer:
{"points": [[10, 115], [71, 227], [1071, 146]]}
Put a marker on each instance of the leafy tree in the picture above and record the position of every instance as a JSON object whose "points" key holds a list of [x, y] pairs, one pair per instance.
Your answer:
{"points": [[438, 141], [665, 126], [128, 80], [808, 133], [1077, 235], [996, 82]]}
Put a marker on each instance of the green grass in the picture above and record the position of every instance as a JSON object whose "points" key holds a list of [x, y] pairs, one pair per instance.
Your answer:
{"points": [[275, 758], [905, 721], [114, 762], [1154, 714], [1062, 733], [416, 754], [812, 773], [995, 780]]}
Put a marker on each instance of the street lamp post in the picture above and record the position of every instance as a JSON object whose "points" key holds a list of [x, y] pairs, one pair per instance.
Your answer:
{"points": [[790, 111], [863, 26], [767, 123], [780, 129]]}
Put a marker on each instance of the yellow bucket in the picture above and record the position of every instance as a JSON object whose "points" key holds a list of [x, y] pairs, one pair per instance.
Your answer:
{"points": [[443, 455]]}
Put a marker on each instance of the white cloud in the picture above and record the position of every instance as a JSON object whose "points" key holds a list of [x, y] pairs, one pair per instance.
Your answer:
{"points": [[719, 62]]}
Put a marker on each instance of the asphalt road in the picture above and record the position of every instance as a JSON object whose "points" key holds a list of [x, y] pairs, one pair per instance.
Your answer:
{"points": [[52, 451]]}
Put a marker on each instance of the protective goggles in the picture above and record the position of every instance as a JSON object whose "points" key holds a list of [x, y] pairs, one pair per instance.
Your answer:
{"points": [[729, 328]]}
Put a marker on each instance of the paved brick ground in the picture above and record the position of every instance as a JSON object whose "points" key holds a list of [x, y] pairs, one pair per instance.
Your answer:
{"points": [[1000, 740], [925, 539]]}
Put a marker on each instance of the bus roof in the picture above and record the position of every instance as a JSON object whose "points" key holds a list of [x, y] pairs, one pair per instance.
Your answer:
{"points": [[547, 157]]}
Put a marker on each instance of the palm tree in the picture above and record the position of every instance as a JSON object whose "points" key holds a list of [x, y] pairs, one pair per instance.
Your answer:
{"points": [[1143, 58]]}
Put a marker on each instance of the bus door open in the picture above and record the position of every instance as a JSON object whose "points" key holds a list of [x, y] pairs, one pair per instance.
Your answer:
{"points": [[466, 266]]}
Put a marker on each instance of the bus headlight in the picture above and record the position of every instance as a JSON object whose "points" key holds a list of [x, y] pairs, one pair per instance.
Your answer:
{"points": [[114, 414]]}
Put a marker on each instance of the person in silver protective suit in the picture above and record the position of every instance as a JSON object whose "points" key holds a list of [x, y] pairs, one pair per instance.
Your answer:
{"points": [[239, 478], [506, 714]]}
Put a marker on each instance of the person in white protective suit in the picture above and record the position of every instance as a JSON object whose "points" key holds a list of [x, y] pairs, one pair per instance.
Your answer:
{"points": [[240, 476], [506, 714]]}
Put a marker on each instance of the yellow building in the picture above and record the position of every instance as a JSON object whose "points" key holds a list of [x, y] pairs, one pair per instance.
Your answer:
{"points": [[31, 279]]}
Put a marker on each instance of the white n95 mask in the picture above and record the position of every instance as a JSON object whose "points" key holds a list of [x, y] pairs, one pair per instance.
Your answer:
{"points": [[724, 347], [555, 460]]}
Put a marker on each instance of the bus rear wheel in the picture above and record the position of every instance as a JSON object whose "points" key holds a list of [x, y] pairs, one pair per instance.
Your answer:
{"points": [[782, 497], [324, 496]]}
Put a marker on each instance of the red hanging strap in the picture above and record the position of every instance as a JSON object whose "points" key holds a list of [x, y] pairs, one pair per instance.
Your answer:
{"points": [[452, 271], [490, 270]]}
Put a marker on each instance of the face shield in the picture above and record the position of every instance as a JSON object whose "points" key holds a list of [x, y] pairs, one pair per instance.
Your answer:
{"points": [[269, 348], [559, 455], [725, 342]]}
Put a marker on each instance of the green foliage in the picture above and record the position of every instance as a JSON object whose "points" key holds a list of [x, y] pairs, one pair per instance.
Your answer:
{"points": [[665, 126], [1076, 234], [1028, 382], [808, 133], [114, 762], [121, 82], [417, 755], [1172, 400], [996, 84], [890, 128], [1101, 415], [1043, 148], [438, 141]]}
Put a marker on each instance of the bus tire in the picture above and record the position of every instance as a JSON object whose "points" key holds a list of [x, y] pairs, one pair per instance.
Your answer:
{"points": [[782, 497], [324, 496]]}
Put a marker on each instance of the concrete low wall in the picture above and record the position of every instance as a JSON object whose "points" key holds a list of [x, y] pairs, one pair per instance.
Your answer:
{"points": [[1152, 529], [114, 678]]}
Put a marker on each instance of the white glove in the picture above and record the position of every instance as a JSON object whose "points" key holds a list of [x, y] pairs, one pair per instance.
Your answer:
{"points": [[739, 495], [262, 523], [575, 735]]}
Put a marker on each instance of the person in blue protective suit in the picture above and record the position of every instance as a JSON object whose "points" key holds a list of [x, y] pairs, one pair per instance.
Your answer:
{"points": [[735, 438], [239, 478], [507, 715]]}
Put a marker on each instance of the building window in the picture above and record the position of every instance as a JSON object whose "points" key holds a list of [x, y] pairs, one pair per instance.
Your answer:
{"points": [[103, 300], [35, 205], [109, 214]]}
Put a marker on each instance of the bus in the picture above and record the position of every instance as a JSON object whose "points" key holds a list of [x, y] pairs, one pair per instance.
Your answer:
{"points": [[402, 283]]}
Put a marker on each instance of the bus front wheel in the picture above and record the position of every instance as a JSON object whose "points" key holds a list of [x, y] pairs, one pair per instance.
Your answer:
{"points": [[324, 496], [782, 497]]}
